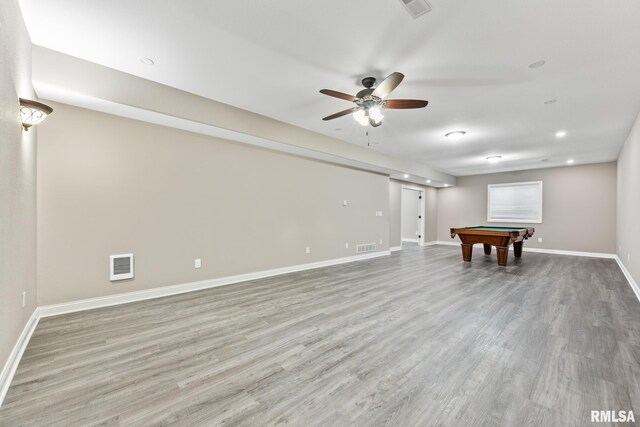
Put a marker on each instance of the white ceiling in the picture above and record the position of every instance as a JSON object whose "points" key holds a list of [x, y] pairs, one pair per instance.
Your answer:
{"points": [[468, 58]]}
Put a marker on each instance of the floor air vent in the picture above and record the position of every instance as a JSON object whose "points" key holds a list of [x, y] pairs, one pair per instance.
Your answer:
{"points": [[120, 267], [367, 247]]}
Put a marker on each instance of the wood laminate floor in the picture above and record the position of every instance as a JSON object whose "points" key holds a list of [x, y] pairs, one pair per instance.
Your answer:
{"points": [[415, 338]]}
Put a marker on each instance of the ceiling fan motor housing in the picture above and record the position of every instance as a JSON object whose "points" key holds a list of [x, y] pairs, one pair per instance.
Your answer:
{"points": [[368, 82]]}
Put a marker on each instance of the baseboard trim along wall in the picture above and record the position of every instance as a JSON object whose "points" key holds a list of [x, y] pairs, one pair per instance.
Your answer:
{"points": [[543, 251], [627, 274], [395, 248], [106, 301], [10, 367]]}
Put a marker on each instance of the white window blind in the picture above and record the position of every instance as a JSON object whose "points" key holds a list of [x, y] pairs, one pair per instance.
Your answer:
{"points": [[515, 202]]}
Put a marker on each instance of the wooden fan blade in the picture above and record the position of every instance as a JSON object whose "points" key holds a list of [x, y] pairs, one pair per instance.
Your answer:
{"points": [[341, 113], [337, 94], [405, 103], [388, 85]]}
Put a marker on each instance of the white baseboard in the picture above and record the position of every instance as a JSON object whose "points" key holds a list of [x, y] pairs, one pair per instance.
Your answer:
{"points": [[9, 369], [546, 251], [627, 274], [411, 240], [432, 243], [395, 248], [572, 253], [106, 301], [446, 243]]}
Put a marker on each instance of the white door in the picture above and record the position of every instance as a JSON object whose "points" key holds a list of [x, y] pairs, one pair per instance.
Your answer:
{"points": [[410, 215]]}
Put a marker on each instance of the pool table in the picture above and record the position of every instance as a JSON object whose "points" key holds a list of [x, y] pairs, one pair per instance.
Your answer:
{"points": [[500, 237]]}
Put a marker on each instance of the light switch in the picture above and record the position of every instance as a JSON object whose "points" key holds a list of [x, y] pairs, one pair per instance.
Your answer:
{"points": [[197, 263]]}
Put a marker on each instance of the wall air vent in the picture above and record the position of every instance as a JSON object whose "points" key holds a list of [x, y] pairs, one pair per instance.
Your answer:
{"points": [[366, 247], [416, 8], [120, 267]]}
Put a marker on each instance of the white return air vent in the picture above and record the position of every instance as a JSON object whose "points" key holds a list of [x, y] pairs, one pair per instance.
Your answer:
{"points": [[120, 267], [416, 8], [366, 247]]}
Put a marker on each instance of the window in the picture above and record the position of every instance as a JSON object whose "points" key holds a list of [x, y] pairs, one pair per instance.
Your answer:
{"points": [[515, 202]]}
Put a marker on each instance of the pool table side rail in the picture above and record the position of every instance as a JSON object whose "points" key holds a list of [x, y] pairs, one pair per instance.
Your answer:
{"points": [[524, 233]]}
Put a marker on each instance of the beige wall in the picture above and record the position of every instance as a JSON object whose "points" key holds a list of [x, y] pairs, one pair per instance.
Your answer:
{"points": [[395, 219], [395, 216], [431, 214], [579, 206], [629, 203], [17, 181], [109, 185]]}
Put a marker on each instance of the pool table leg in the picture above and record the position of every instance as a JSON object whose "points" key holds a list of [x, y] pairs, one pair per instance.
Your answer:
{"points": [[517, 249], [467, 250], [487, 249], [502, 255]]}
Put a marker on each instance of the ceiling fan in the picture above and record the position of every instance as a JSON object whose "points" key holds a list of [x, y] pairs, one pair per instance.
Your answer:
{"points": [[370, 101]]}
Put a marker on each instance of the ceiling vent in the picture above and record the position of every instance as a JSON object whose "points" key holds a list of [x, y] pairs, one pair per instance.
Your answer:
{"points": [[121, 267], [416, 8]]}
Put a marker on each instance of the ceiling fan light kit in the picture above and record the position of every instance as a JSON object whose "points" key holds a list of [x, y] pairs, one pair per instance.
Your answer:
{"points": [[370, 101]]}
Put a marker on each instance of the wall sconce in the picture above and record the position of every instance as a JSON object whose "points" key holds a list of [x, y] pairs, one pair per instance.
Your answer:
{"points": [[32, 112]]}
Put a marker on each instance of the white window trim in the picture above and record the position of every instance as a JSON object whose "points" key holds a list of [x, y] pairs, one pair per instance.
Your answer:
{"points": [[518, 221]]}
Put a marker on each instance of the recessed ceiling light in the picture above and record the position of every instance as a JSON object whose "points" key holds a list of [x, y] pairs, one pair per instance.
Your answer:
{"points": [[446, 185], [428, 181], [570, 161], [550, 101], [561, 134], [537, 64], [406, 175], [456, 135], [147, 61], [494, 159]]}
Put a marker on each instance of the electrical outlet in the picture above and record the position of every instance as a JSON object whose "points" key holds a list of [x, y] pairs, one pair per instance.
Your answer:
{"points": [[344, 203], [197, 263], [24, 299], [380, 241], [539, 239], [380, 213], [620, 248], [346, 245], [308, 249]]}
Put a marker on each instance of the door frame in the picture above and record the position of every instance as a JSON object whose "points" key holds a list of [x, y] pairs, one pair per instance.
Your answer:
{"points": [[421, 228]]}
